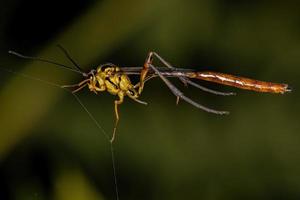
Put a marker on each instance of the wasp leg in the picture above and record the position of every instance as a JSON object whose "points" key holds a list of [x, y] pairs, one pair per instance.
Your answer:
{"points": [[144, 71], [80, 85], [117, 103], [187, 81], [180, 95], [146, 67], [139, 101], [76, 85], [74, 91], [205, 89], [147, 79]]}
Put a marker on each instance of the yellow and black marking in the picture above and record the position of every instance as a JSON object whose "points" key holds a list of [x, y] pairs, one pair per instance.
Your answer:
{"points": [[110, 78]]}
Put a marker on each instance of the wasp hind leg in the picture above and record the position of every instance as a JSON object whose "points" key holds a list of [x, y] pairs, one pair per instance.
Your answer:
{"points": [[180, 95], [184, 80], [144, 72]]}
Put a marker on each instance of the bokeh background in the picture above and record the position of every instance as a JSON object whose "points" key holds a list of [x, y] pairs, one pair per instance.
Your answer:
{"points": [[50, 148]]}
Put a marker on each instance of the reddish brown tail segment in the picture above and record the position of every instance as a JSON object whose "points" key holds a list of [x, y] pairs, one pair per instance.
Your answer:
{"points": [[240, 82]]}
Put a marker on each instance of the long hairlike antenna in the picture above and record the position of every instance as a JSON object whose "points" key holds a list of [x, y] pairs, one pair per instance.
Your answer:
{"points": [[69, 57], [45, 60]]}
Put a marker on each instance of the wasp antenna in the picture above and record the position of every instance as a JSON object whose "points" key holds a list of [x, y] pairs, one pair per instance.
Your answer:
{"points": [[69, 57], [43, 60]]}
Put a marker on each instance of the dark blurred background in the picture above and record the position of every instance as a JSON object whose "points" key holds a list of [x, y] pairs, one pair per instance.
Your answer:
{"points": [[51, 149]]}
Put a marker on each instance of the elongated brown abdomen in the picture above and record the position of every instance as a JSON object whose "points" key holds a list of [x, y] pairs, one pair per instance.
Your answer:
{"points": [[240, 82]]}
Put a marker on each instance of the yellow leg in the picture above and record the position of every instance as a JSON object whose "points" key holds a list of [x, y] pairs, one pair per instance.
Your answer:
{"points": [[117, 102], [74, 91], [76, 85], [81, 85]]}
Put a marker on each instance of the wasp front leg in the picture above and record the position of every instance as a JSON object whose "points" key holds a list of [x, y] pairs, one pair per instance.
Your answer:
{"points": [[80, 85], [94, 87]]}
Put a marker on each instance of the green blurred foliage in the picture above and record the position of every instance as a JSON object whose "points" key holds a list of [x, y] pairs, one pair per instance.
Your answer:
{"points": [[50, 148]]}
